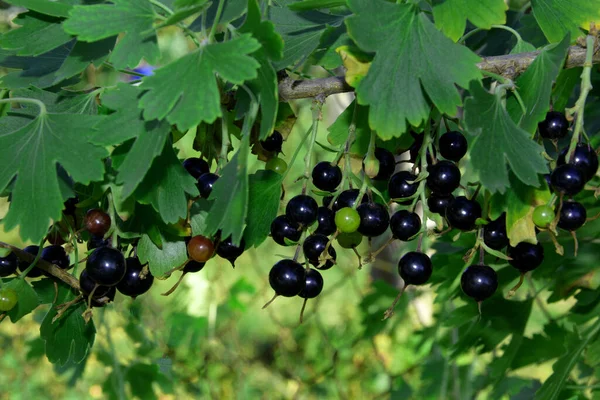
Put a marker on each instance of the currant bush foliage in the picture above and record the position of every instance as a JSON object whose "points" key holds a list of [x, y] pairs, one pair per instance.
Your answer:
{"points": [[72, 140]]}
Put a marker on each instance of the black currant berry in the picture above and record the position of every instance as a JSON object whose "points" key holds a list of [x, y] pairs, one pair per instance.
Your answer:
{"points": [[494, 233], [97, 222], [405, 224], [205, 184], [196, 167], [56, 255], [526, 256], [479, 282], [302, 209], [415, 268], [374, 219], [229, 251], [387, 164], [572, 216], [8, 264], [453, 146], [399, 186], [555, 126], [193, 266], [87, 285], [313, 285], [106, 266], [284, 228], [438, 203], [444, 177], [273, 143], [97, 241], [462, 213], [584, 157], [23, 265], [347, 199], [314, 245], [287, 278], [326, 221], [326, 176], [567, 179], [132, 283]]}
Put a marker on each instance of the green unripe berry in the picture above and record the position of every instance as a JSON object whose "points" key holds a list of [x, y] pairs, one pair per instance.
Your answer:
{"points": [[277, 165], [349, 240], [8, 299], [543, 216], [347, 220]]}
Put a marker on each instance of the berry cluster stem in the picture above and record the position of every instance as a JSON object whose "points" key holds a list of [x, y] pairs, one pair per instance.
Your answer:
{"points": [[586, 86], [317, 115]]}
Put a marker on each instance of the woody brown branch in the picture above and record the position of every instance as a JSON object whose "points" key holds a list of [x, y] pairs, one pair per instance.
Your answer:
{"points": [[509, 66]]}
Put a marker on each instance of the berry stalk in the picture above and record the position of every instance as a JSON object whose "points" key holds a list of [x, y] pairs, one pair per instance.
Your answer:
{"points": [[316, 117]]}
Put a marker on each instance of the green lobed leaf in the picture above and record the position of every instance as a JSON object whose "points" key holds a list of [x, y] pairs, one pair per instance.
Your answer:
{"points": [[558, 18], [134, 17], [301, 31], [127, 123], [183, 13], [165, 186], [37, 34], [63, 102], [32, 154], [162, 260], [69, 338], [232, 9], [338, 131], [263, 204], [406, 71], [263, 31], [331, 39], [553, 386], [48, 7], [535, 86], [230, 196], [27, 299], [451, 16], [186, 92], [563, 88], [198, 215], [500, 142]]}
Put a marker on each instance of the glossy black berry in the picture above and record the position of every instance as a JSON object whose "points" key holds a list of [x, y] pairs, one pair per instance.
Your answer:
{"points": [[572, 216], [526, 256], [302, 209], [584, 157], [205, 184], [374, 219], [567, 179], [106, 266], [326, 221], [287, 278], [196, 166], [284, 228], [193, 266], [87, 286], [273, 143], [23, 265], [229, 251], [8, 264], [56, 255], [97, 241], [326, 177], [555, 126], [415, 268], [132, 283], [453, 146], [479, 282], [399, 186], [438, 203], [444, 177], [494, 233], [313, 285], [313, 247], [347, 199], [387, 164], [462, 213], [405, 224]]}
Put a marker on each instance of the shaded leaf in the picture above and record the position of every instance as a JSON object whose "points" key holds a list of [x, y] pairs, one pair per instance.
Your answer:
{"points": [[263, 205]]}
